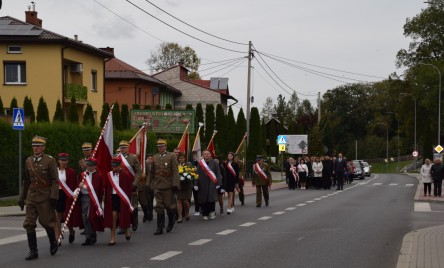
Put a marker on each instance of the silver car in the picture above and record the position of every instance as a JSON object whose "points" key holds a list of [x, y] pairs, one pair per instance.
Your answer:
{"points": [[367, 169]]}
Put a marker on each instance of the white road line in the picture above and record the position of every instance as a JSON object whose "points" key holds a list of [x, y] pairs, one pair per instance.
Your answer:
{"points": [[325, 196], [317, 199], [301, 205], [290, 208], [393, 184], [166, 255], [247, 224], [199, 242], [310, 201], [18, 229], [18, 238], [226, 232], [279, 213], [422, 207], [377, 183], [409, 185], [264, 218]]}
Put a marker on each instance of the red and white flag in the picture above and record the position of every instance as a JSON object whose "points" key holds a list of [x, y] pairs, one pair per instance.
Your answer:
{"points": [[137, 146], [211, 147], [183, 143], [103, 151], [197, 146]]}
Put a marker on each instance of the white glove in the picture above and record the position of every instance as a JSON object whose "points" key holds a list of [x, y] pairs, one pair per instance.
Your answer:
{"points": [[196, 188], [217, 186], [222, 191]]}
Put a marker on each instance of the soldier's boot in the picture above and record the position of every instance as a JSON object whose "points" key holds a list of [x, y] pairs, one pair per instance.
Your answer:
{"points": [[136, 219], [53, 245], [145, 213], [171, 221], [160, 224], [32, 242]]}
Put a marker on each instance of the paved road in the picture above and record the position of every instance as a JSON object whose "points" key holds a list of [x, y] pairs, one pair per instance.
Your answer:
{"points": [[362, 226]]}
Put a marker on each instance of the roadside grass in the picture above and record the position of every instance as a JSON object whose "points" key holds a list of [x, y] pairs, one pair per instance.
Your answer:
{"points": [[391, 167], [8, 202]]}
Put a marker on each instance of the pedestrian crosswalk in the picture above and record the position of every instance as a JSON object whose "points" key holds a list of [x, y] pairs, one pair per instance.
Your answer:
{"points": [[389, 184]]}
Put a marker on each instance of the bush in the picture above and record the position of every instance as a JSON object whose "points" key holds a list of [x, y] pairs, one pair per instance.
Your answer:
{"points": [[2, 110], [29, 108], [73, 116], [59, 115], [42, 111], [88, 116]]}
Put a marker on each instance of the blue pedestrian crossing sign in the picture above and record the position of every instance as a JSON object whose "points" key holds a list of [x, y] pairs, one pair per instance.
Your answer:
{"points": [[282, 139], [18, 117]]}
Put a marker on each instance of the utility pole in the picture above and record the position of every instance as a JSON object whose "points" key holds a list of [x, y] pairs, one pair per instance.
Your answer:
{"points": [[250, 56], [319, 108]]}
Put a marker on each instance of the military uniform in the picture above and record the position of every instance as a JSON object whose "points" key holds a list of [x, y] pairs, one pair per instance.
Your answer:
{"points": [[40, 193], [82, 162], [262, 184], [240, 163], [164, 178]]}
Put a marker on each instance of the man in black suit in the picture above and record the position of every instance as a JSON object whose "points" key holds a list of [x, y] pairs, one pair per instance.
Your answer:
{"points": [[339, 169]]}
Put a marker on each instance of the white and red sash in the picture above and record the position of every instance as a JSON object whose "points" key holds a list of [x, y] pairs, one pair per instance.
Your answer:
{"points": [[127, 166], [231, 169], [258, 170], [119, 191], [65, 187], [295, 174], [92, 193], [208, 171]]}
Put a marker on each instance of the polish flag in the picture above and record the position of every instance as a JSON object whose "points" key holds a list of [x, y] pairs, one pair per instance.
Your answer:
{"points": [[196, 146], [138, 146], [211, 148], [103, 151], [183, 143]]}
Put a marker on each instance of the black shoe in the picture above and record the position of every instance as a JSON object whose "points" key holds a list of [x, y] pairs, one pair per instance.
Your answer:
{"points": [[32, 242], [32, 256], [160, 224], [88, 242], [150, 217], [171, 221], [337, 189], [145, 219], [258, 206], [53, 245], [134, 227], [71, 238], [242, 204], [266, 203]]}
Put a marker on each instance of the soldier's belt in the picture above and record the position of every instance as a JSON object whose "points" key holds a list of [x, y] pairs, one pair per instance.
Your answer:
{"points": [[163, 174], [37, 184]]}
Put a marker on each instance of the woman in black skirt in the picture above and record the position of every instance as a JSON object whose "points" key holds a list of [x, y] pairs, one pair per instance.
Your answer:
{"points": [[302, 173], [232, 175], [185, 192]]}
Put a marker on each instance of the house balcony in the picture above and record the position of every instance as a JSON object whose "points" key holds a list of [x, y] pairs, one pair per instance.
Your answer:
{"points": [[79, 92]]}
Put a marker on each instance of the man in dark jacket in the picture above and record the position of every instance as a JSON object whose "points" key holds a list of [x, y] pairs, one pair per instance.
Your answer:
{"points": [[327, 171], [339, 170], [437, 175]]}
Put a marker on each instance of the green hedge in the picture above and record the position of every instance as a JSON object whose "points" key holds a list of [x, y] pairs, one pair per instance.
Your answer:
{"points": [[62, 137], [78, 91]]}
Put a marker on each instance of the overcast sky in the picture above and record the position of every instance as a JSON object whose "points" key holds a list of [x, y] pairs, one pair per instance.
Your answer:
{"points": [[358, 36]]}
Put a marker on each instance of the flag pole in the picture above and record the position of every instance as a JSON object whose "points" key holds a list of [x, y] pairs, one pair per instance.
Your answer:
{"points": [[212, 137], [186, 128], [240, 144], [77, 191], [198, 133], [137, 133]]}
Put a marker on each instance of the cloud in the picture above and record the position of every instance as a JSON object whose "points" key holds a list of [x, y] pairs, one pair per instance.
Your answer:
{"points": [[114, 28]]}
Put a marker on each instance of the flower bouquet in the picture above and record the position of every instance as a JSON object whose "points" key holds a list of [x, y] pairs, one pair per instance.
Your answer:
{"points": [[187, 173]]}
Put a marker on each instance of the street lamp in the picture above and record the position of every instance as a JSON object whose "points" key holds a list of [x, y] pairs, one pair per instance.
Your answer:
{"points": [[414, 143], [387, 130], [439, 100], [397, 131]]}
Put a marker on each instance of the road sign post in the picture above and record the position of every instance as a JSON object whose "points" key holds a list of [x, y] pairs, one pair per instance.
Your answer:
{"points": [[18, 123]]}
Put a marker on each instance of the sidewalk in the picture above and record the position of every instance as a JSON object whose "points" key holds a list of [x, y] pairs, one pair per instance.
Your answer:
{"points": [[423, 248]]}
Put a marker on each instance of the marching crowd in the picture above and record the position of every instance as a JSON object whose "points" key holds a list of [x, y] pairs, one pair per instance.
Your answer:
{"points": [[90, 200]]}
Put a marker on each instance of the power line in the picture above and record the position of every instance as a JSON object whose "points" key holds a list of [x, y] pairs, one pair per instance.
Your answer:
{"points": [[273, 78], [214, 62], [202, 31], [225, 63], [189, 35], [318, 66], [237, 66], [233, 63]]}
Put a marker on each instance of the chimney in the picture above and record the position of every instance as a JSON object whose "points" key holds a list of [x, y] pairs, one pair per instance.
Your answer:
{"points": [[31, 16], [76, 37], [108, 49]]}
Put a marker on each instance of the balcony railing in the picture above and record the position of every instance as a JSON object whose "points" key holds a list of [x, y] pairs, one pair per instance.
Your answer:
{"points": [[78, 91]]}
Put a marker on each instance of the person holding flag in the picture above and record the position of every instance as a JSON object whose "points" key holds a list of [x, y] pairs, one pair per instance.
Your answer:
{"points": [[262, 180], [118, 207], [208, 184]]}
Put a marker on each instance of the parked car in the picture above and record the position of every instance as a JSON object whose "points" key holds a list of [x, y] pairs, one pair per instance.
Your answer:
{"points": [[367, 169], [358, 170]]}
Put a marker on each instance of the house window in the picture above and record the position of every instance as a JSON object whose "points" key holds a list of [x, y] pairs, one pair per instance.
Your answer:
{"points": [[94, 80], [15, 73], [14, 50]]}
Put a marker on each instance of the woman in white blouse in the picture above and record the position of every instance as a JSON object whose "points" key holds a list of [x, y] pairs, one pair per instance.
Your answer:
{"points": [[303, 173], [317, 170], [426, 176]]}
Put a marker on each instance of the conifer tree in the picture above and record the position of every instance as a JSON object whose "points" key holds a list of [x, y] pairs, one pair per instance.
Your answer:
{"points": [[117, 119], [58, 115], [42, 111], [2, 109], [241, 126], [230, 132], [189, 107], [29, 108], [209, 122], [168, 106], [125, 116], [254, 147], [73, 116], [104, 115], [221, 127], [135, 106], [13, 104], [88, 116]]}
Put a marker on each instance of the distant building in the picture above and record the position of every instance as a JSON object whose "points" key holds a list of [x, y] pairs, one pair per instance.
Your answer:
{"points": [[214, 91], [126, 84], [37, 62]]}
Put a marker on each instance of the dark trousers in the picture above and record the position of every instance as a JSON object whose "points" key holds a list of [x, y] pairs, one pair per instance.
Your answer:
{"points": [[196, 201], [340, 180], [437, 187], [259, 190], [427, 187], [150, 200], [90, 233], [208, 207]]}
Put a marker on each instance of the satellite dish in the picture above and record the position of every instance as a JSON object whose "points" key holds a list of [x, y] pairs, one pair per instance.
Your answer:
{"points": [[155, 91]]}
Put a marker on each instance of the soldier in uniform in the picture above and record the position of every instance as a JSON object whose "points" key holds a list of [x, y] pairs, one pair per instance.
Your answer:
{"points": [[164, 178], [139, 193], [40, 191], [87, 150], [149, 191], [262, 180], [241, 166]]}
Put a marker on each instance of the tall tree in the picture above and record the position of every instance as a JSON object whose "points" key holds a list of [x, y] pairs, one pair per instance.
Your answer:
{"points": [[221, 127], [209, 122], [254, 147], [268, 108], [2, 109], [42, 111], [229, 133], [104, 115], [73, 115], [88, 116], [125, 116], [29, 108], [13, 104], [189, 107], [281, 109], [170, 54], [241, 126], [59, 115], [199, 119], [117, 119]]}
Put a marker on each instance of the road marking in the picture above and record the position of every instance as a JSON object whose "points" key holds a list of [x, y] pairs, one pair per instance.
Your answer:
{"points": [[377, 183], [166, 255], [18, 229], [301, 205], [247, 224], [325, 196], [199, 242], [290, 208], [422, 207], [18, 238], [393, 184], [279, 213], [226, 232], [264, 218], [310, 201], [409, 185]]}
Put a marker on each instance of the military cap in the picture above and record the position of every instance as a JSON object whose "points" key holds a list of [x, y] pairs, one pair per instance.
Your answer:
{"points": [[123, 144], [116, 161], [259, 157], [86, 146], [161, 142], [63, 156], [38, 140], [91, 161]]}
